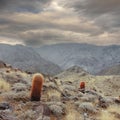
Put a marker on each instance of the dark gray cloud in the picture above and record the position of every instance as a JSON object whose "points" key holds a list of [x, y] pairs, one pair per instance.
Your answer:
{"points": [[38, 37], [104, 13], [36, 22], [22, 5], [94, 7]]}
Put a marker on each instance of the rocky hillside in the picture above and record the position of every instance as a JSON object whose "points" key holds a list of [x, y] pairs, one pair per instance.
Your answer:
{"points": [[114, 70], [90, 57], [62, 98], [27, 59]]}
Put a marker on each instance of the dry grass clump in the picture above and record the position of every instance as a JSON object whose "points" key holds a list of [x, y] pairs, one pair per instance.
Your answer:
{"points": [[57, 108], [69, 87], [18, 87], [28, 115], [7, 115], [51, 85], [87, 107], [4, 86], [88, 98], [115, 111], [80, 94], [14, 77], [105, 115], [71, 113], [71, 116], [55, 96], [13, 96], [105, 102]]}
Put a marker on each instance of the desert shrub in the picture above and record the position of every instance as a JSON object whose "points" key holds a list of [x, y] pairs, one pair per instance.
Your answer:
{"points": [[80, 94], [20, 96], [57, 108], [55, 96], [105, 102], [18, 87], [89, 98], [7, 115], [27, 115], [87, 107], [51, 85], [69, 87], [13, 77], [77, 103]]}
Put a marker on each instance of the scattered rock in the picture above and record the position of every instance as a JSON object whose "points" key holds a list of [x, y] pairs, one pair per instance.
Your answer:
{"points": [[4, 106], [117, 100]]}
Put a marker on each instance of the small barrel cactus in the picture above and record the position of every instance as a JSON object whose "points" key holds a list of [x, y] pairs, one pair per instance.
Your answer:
{"points": [[82, 87]]}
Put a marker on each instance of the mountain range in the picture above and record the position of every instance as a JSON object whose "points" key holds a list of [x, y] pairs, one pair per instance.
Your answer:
{"points": [[52, 59], [91, 58], [27, 59]]}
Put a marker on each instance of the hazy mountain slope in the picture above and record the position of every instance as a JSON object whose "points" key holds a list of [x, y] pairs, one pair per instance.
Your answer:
{"points": [[26, 58], [90, 57], [114, 70]]}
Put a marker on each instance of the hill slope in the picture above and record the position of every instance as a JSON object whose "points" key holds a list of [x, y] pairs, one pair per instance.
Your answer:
{"points": [[61, 98], [90, 57], [26, 59], [114, 70]]}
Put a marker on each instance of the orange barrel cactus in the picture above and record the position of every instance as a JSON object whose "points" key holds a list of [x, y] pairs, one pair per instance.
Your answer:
{"points": [[37, 83], [82, 87]]}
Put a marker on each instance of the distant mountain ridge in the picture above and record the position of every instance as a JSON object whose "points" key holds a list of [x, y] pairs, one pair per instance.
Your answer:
{"points": [[76, 69], [113, 70], [90, 57], [27, 59]]}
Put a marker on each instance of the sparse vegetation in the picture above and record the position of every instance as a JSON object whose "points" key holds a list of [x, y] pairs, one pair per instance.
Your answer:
{"points": [[18, 87], [87, 107], [27, 115], [55, 96], [13, 96], [4, 86], [62, 98]]}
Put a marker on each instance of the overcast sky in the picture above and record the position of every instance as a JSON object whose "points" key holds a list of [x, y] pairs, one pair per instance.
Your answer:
{"points": [[40, 22]]}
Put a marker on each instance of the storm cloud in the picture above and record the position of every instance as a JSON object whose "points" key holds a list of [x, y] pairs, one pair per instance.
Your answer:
{"points": [[22, 5], [104, 13], [39, 22]]}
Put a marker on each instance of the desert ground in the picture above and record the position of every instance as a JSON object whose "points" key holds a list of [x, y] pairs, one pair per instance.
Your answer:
{"points": [[61, 98]]}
